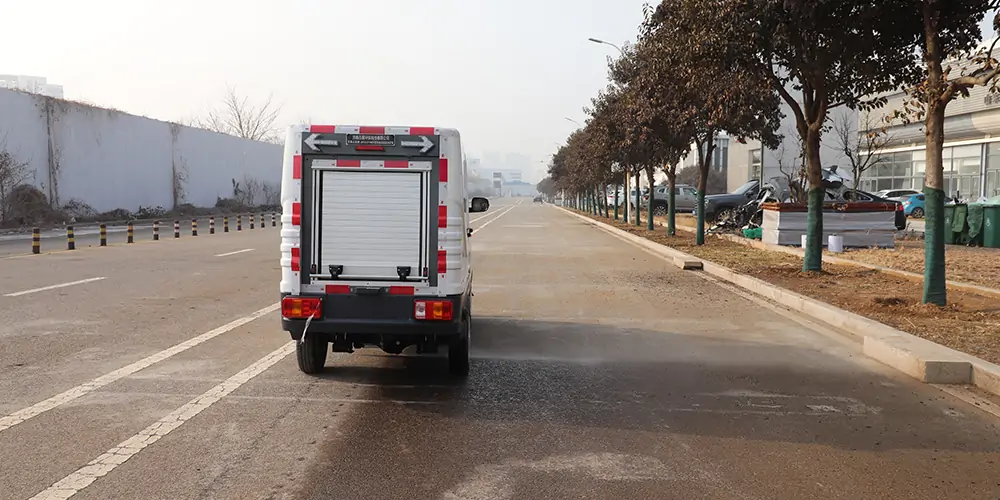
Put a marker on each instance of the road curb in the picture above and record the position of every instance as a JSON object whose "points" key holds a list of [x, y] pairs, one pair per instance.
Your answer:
{"points": [[917, 357]]}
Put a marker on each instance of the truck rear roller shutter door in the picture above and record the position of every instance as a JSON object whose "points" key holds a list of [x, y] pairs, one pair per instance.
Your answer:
{"points": [[371, 223]]}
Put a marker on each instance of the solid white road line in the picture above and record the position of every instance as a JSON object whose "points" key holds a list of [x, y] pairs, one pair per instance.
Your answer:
{"points": [[245, 250], [60, 399], [109, 460], [53, 287]]}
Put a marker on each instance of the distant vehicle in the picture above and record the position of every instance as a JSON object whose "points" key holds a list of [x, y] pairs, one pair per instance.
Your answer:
{"points": [[539, 199], [896, 194], [913, 205], [391, 275]]}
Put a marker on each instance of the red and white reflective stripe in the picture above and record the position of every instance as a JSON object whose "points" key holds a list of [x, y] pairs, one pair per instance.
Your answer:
{"points": [[442, 262], [296, 188], [373, 164], [356, 129]]}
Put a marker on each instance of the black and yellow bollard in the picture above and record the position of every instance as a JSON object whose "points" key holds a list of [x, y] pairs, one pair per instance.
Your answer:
{"points": [[36, 240], [70, 238], [239, 222], [211, 225], [225, 224], [194, 227], [156, 230], [262, 221], [177, 229], [104, 235], [274, 222], [130, 233], [251, 221]]}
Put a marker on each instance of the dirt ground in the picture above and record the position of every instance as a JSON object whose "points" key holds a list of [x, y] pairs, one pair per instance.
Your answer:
{"points": [[970, 323], [976, 265]]}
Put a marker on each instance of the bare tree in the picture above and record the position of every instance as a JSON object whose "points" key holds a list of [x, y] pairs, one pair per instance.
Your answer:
{"points": [[863, 147], [792, 164], [13, 173], [271, 193], [251, 191], [237, 116]]}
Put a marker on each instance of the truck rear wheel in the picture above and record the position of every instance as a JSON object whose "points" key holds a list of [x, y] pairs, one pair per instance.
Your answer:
{"points": [[458, 352], [311, 354]]}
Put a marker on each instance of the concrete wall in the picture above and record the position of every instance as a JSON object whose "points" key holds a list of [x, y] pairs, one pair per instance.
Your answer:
{"points": [[108, 159]]}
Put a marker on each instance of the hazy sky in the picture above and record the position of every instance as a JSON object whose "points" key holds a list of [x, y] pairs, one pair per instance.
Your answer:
{"points": [[506, 74]]}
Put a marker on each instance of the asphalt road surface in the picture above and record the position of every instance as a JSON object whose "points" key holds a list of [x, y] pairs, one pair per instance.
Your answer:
{"points": [[159, 371]]}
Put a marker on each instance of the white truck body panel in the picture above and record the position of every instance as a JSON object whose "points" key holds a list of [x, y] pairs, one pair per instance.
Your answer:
{"points": [[378, 208]]}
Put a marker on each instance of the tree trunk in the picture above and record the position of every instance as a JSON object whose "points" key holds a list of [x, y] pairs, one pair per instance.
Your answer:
{"points": [[652, 194], [671, 200], [704, 164], [625, 201], [935, 290], [813, 260], [617, 187], [638, 198]]}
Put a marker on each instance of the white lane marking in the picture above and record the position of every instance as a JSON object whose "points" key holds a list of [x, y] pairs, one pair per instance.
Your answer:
{"points": [[245, 250], [109, 460], [480, 228], [53, 287], [60, 399]]}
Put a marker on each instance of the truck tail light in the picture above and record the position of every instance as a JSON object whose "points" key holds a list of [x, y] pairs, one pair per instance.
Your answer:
{"points": [[301, 307], [434, 310]]}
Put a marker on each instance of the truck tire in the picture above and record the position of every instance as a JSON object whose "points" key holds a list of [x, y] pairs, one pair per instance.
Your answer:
{"points": [[311, 354], [458, 352]]}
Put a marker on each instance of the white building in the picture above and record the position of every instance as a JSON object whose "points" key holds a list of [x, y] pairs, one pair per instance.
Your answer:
{"points": [[971, 148], [32, 84], [750, 160]]}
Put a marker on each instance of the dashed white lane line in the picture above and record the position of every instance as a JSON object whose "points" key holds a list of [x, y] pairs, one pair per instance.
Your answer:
{"points": [[245, 250], [53, 287], [480, 228], [109, 460], [60, 399]]}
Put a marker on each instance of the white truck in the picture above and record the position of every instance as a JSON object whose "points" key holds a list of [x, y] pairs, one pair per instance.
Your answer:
{"points": [[375, 242]]}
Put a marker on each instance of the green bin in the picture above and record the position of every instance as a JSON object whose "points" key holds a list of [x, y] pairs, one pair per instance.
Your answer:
{"points": [[991, 226], [949, 215]]}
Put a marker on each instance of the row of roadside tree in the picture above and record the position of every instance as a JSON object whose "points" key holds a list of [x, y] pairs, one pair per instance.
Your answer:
{"points": [[701, 67]]}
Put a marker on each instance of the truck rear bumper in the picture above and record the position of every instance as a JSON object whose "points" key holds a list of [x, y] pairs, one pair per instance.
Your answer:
{"points": [[369, 319]]}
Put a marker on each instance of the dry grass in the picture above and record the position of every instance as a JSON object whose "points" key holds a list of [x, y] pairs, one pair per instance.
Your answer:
{"points": [[970, 323]]}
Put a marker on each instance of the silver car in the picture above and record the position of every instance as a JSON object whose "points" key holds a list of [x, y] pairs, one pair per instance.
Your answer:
{"points": [[685, 199]]}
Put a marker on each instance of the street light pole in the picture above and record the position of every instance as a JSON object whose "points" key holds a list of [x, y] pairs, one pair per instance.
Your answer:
{"points": [[625, 203]]}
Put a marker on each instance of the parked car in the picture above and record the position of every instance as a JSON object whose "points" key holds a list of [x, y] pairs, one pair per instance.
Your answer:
{"points": [[685, 199], [896, 194], [846, 194], [913, 205], [719, 206]]}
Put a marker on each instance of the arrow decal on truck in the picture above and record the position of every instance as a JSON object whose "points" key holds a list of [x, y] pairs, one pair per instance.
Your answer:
{"points": [[314, 142], [424, 144]]}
